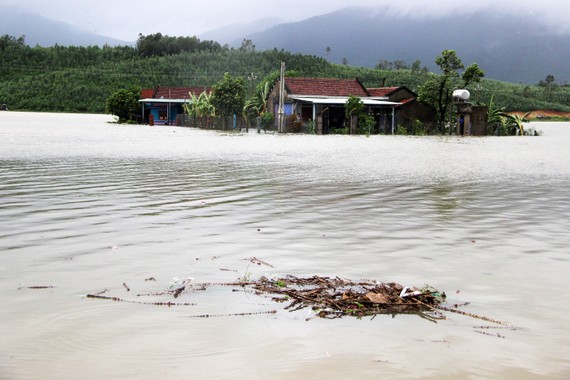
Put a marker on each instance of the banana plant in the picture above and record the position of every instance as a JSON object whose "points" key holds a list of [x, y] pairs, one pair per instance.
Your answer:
{"points": [[496, 116], [517, 121]]}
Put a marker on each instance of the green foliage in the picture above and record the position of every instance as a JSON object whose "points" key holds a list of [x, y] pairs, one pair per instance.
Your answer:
{"points": [[365, 124], [354, 106], [419, 129], [311, 127], [517, 123], [228, 96], [267, 121], [257, 104], [10, 42], [495, 119], [401, 130], [449, 63], [81, 79], [201, 109], [159, 45], [472, 74], [437, 90], [125, 104]]}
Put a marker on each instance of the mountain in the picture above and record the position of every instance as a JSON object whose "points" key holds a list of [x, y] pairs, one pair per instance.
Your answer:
{"points": [[39, 30], [514, 48], [232, 33]]}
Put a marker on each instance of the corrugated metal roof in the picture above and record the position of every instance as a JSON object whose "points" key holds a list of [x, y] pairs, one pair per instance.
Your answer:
{"points": [[172, 93], [343, 100], [155, 100]]}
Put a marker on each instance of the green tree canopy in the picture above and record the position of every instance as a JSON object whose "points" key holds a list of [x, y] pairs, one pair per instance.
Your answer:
{"points": [[124, 104], [438, 90], [228, 96]]}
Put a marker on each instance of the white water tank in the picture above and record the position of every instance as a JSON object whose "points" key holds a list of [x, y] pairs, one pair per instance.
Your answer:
{"points": [[461, 95]]}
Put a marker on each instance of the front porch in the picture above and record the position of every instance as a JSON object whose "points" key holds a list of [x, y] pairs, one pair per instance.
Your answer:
{"points": [[329, 114]]}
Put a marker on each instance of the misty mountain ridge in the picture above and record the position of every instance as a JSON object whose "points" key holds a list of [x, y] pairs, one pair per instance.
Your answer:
{"points": [[227, 34], [42, 31], [514, 48]]}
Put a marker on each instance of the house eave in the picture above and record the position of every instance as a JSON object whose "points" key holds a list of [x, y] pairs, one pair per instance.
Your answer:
{"points": [[342, 100]]}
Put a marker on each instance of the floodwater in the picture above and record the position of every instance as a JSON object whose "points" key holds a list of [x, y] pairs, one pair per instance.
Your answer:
{"points": [[87, 206]]}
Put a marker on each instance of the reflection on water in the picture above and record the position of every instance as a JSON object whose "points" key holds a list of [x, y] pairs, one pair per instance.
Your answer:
{"points": [[87, 206]]}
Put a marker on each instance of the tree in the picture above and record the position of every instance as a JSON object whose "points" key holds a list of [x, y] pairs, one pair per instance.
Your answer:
{"points": [[7, 41], [360, 122], [438, 90], [247, 45], [549, 86], [228, 96], [384, 65], [400, 65], [125, 104], [472, 74], [416, 67]]}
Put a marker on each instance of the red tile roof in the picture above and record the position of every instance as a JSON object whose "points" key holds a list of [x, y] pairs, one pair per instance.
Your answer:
{"points": [[163, 92], [147, 93], [382, 91], [325, 87]]}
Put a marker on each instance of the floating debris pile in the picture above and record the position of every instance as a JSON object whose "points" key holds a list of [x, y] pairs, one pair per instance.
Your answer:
{"points": [[336, 297], [328, 297]]}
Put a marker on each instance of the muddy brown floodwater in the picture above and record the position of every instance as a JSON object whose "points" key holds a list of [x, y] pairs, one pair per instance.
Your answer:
{"points": [[90, 207]]}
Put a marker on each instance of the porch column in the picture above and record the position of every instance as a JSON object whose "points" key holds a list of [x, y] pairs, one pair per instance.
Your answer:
{"points": [[393, 119], [314, 113]]}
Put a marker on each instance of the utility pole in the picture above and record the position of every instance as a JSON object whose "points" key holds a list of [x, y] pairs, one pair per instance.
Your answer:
{"points": [[281, 116], [251, 78]]}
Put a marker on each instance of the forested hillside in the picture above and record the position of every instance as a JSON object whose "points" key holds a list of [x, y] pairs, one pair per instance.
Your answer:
{"points": [[80, 79]]}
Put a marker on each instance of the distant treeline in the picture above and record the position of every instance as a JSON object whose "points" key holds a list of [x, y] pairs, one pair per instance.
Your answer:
{"points": [[80, 79]]}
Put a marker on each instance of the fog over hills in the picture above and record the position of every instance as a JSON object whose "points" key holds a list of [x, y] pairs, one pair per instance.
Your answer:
{"points": [[515, 48], [231, 34], [39, 30]]}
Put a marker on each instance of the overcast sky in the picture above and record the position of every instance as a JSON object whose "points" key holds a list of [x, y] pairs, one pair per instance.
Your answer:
{"points": [[125, 19]]}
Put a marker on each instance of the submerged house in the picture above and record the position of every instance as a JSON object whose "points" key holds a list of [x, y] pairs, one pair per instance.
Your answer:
{"points": [[164, 105], [323, 100], [409, 110]]}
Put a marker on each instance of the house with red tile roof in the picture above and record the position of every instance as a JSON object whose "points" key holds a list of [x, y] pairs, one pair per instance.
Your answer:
{"points": [[409, 110], [164, 105], [323, 100]]}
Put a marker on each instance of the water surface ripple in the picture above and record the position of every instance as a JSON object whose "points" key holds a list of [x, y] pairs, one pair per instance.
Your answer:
{"points": [[86, 206]]}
